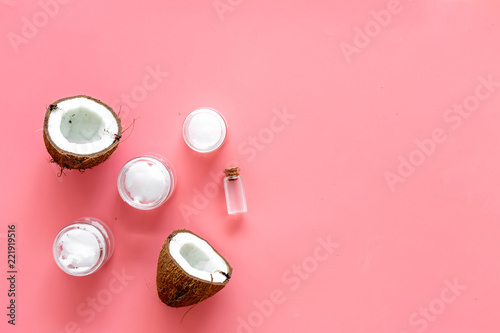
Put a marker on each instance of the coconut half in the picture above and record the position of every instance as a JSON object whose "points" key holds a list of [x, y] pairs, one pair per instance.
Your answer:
{"points": [[189, 270], [80, 132]]}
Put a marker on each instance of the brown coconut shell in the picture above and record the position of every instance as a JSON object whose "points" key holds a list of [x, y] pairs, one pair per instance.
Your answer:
{"points": [[69, 160], [177, 288]]}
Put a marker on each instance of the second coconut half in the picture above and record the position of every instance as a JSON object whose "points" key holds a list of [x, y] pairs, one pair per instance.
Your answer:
{"points": [[189, 270]]}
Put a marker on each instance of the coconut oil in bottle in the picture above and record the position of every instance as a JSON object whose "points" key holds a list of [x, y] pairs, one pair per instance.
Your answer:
{"points": [[235, 192]]}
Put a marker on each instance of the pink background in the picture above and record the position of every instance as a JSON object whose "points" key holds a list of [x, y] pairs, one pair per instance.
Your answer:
{"points": [[358, 117]]}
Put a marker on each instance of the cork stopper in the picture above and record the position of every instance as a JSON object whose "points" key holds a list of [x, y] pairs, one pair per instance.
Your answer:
{"points": [[232, 173]]}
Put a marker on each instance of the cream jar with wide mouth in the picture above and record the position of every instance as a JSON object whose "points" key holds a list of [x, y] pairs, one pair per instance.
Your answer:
{"points": [[146, 182], [204, 130], [83, 247]]}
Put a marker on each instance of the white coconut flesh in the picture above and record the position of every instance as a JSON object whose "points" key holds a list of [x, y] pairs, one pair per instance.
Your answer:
{"points": [[197, 258], [82, 126]]}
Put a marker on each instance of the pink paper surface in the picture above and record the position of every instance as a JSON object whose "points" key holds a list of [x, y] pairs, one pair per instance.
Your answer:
{"points": [[367, 134]]}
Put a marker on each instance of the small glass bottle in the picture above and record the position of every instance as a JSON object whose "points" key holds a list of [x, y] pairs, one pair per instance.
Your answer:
{"points": [[235, 193], [82, 247]]}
